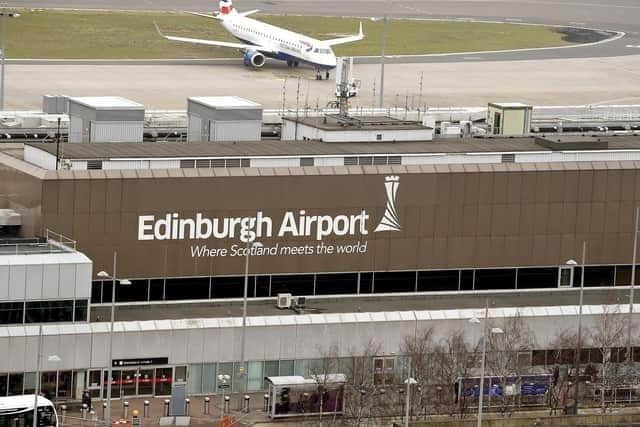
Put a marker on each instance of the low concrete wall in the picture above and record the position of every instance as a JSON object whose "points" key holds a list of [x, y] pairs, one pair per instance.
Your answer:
{"points": [[520, 421]]}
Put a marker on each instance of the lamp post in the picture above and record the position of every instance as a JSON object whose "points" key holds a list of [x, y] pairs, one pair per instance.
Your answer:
{"points": [[36, 392], [573, 263], [485, 331], [105, 275], [4, 14], [383, 42], [632, 288], [224, 379], [250, 245], [407, 404]]}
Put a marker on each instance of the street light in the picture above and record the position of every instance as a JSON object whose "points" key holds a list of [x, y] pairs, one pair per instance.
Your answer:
{"points": [[573, 264], [4, 38], [383, 42], [407, 405], [250, 245], [632, 288], [476, 321], [224, 379], [104, 275], [54, 358]]}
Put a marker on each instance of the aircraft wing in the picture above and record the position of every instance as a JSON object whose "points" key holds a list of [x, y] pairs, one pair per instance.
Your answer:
{"points": [[343, 40], [217, 43], [248, 12], [204, 15]]}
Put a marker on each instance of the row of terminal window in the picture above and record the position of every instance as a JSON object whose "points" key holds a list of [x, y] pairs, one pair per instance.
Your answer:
{"points": [[304, 161], [50, 311], [199, 288]]}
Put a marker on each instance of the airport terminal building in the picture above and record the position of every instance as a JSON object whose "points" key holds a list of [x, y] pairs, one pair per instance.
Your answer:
{"points": [[467, 215], [316, 219]]}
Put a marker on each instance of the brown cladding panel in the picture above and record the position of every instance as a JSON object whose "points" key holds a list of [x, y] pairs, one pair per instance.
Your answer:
{"points": [[437, 230]]}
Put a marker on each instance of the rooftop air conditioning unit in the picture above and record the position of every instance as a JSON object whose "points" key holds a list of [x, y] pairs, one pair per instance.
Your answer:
{"points": [[284, 301], [300, 301]]}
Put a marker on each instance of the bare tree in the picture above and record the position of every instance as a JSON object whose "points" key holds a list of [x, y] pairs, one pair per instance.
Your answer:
{"points": [[559, 358], [454, 359], [607, 335], [508, 359], [419, 350]]}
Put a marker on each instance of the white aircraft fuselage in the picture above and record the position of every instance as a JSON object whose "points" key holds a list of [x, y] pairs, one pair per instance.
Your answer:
{"points": [[286, 45], [259, 40]]}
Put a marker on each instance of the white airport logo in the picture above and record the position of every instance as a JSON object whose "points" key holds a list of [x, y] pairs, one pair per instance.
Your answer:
{"points": [[390, 220], [172, 226]]}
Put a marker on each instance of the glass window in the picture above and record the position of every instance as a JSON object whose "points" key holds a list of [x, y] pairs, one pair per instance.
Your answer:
{"points": [[503, 278], [49, 311], [599, 276], [286, 368], [466, 280], [228, 287], [537, 278], [29, 382], [137, 291], [302, 367], [180, 374], [65, 384], [254, 376], [366, 283], [332, 284], [262, 286], [296, 284], [48, 384], [195, 379], [15, 384], [156, 289], [80, 311], [107, 287], [395, 282], [271, 369], [209, 378], [4, 384], [239, 382], [11, 312], [187, 288], [96, 292], [225, 369], [445, 280]]}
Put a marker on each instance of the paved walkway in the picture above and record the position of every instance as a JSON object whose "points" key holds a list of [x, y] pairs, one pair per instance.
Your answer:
{"points": [[156, 410]]}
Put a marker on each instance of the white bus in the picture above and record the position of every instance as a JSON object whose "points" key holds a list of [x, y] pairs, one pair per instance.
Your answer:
{"points": [[17, 411]]}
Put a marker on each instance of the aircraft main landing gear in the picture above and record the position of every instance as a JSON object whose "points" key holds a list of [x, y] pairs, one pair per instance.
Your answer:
{"points": [[318, 75], [327, 75]]}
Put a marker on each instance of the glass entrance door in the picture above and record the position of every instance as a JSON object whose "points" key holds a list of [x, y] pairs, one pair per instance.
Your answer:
{"points": [[134, 382], [129, 382], [164, 377], [145, 382]]}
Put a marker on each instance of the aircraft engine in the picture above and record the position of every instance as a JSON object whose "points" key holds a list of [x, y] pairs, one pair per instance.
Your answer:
{"points": [[253, 58]]}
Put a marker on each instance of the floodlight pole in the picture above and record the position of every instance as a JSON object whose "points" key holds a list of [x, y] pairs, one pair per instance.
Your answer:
{"points": [[36, 390], [107, 415], [4, 43], [579, 343], [485, 326], [632, 289], [383, 43]]}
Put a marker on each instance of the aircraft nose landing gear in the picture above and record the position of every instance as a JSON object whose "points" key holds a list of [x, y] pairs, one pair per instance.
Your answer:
{"points": [[319, 74]]}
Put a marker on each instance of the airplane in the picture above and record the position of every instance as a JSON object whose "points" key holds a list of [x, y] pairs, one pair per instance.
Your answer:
{"points": [[260, 40]]}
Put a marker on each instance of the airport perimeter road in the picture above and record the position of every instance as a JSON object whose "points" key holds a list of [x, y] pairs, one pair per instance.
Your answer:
{"points": [[470, 83], [374, 303]]}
